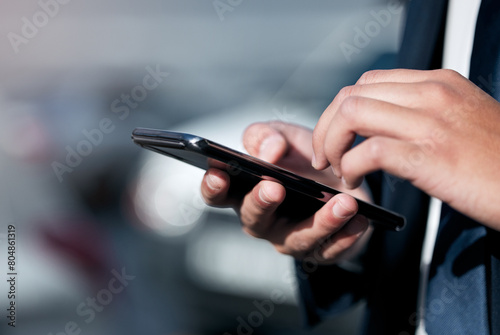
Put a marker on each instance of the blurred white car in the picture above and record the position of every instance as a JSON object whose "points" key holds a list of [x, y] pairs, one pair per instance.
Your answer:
{"points": [[219, 256]]}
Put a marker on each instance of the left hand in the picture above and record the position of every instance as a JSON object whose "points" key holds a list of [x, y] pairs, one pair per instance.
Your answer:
{"points": [[332, 234], [434, 128]]}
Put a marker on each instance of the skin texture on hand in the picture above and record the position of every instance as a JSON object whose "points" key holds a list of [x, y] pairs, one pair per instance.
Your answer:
{"points": [[434, 128], [332, 234]]}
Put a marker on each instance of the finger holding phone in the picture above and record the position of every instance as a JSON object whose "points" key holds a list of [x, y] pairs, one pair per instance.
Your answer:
{"points": [[335, 232]]}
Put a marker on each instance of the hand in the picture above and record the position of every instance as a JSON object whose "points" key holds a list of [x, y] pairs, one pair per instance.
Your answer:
{"points": [[333, 233], [434, 128]]}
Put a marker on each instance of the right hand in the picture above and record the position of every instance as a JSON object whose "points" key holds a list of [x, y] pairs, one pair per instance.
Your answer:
{"points": [[332, 234]]}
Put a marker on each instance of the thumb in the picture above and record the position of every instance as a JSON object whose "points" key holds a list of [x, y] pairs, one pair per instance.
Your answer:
{"points": [[263, 141], [272, 148]]}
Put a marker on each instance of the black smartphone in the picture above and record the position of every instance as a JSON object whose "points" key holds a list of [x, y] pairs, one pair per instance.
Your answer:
{"points": [[303, 196]]}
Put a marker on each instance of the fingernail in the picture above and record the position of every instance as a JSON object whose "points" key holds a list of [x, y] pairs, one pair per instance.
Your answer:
{"points": [[313, 161], [214, 182], [270, 147], [263, 196], [344, 182], [340, 211], [336, 173], [357, 227]]}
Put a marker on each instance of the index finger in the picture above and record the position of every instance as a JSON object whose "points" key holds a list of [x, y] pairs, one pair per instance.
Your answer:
{"points": [[320, 160]]}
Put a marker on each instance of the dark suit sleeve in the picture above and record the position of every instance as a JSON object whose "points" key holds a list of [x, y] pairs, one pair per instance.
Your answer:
{"points": [[326, 291], [329, 290], [390, 278]]}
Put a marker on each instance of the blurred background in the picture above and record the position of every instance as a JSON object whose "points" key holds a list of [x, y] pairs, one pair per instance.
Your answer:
{"points": [[111, 239]]}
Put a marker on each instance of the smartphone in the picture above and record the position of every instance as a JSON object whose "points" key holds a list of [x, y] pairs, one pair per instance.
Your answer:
{"points": [[303, 196]]}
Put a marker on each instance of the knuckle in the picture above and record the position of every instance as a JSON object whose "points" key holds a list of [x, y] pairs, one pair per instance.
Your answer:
{"points": [[448, 74], [301, 247], [249, 221], [348, 107], [439, 88], [369, 77], [443, 91], [346, 91], [375, 150]]}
